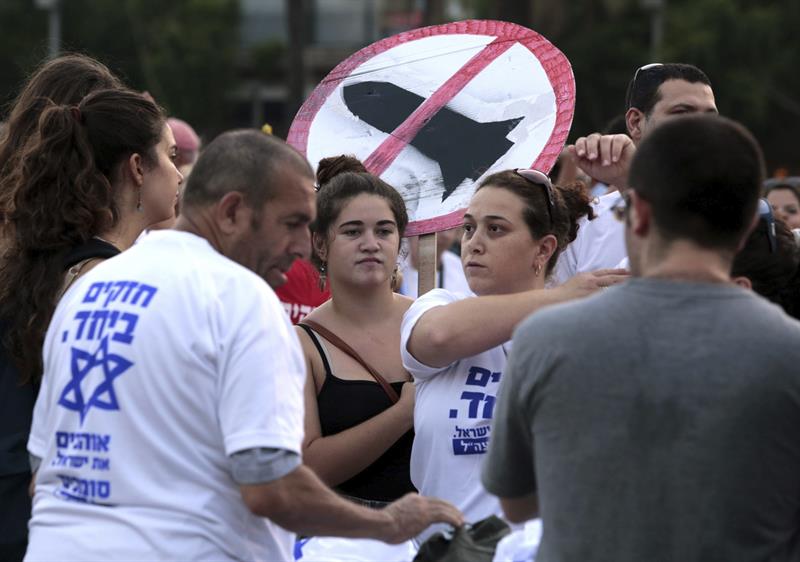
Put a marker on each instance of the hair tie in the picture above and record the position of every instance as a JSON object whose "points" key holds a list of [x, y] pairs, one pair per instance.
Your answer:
{"points": [[76, 114]]}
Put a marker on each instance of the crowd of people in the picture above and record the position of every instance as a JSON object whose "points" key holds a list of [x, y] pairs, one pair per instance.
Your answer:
{"points": [[205, 356]]}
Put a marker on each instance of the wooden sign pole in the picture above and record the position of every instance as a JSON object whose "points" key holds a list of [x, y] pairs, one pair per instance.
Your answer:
{"points": [[427, 263]]}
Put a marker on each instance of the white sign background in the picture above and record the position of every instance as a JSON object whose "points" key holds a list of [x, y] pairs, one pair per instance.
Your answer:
{"points": [[530, 79]]}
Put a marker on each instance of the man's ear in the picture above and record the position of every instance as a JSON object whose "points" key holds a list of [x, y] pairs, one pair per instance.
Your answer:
{"points": [[743, 282], [232, 213], [634, 121], [640, 215]]}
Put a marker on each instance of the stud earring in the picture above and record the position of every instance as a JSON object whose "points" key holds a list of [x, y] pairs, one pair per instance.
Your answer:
{"points": [[323, 276]]}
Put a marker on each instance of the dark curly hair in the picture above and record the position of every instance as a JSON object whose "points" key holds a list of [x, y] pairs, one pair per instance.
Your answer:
{"points": [[571, 202], [340, 179], [64, 195], [64, 80], [774, 275]]}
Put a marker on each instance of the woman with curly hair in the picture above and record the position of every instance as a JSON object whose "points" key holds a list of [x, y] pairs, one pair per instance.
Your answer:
{"points": [[63, 80], [85, 185], [456, 345], [94, 176]]}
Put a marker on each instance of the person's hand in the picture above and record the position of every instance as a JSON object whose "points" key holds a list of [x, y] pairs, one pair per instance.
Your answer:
{"points": [[587, 283], [406, 402], [412, 514], [606, 158]]}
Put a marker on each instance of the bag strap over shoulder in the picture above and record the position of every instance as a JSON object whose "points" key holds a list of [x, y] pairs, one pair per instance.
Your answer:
{"points": [[340, 343], [72, 275]]}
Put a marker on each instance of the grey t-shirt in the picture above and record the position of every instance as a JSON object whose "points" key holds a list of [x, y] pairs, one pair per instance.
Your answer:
{"points": [[657, 421]]}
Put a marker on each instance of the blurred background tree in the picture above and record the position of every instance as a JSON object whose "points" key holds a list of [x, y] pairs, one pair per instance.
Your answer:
{"points": [[228, 63]]}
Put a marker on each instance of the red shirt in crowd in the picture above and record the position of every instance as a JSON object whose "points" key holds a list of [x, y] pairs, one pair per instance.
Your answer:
{"points": [[300, 294]]}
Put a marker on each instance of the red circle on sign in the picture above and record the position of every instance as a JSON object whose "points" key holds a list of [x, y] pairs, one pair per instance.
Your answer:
{"points": [[553, 61]]}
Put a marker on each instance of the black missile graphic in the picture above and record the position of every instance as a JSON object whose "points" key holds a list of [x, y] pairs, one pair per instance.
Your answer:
{"points": [[463, 148]]}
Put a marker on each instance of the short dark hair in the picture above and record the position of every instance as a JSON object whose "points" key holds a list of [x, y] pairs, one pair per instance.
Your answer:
{"points": [[244, 160], [643, 89], [702, 175]]}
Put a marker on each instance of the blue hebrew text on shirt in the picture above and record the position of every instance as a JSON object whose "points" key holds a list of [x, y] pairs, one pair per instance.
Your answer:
{"points": [[98, 340], [82, 489], [108, 292], [477, 403], [82, 451], [471, 440], [96, 322]]}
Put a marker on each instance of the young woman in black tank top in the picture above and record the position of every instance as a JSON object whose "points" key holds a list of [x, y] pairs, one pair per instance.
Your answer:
{"points": [[358, 425]]}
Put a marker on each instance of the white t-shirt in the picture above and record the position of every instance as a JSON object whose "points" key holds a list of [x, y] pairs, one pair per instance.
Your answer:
{"points": [[600, 243], [453, 279], [159, 364], [452, 419]]}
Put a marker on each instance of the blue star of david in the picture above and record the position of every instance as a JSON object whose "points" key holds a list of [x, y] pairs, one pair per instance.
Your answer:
{"points": [[81, 364]]}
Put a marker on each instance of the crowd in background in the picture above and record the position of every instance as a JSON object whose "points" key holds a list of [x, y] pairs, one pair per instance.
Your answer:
{"points": [[206, 350]]}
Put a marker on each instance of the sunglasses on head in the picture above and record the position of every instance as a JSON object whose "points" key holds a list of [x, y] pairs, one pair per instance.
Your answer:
{"points": [[640, 70], [765, 213], [540, 178]]}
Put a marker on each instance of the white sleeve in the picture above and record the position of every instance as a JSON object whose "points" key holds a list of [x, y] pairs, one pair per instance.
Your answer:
{"points": [[568, 265], [262, 373], [431, 299]]}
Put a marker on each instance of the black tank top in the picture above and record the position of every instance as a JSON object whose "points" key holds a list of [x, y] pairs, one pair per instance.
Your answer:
{"points": [[343, 404]]}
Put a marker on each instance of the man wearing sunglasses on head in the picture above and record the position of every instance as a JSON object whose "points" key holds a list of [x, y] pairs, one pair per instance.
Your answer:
{"points": [[657, 92], [668, 429]]}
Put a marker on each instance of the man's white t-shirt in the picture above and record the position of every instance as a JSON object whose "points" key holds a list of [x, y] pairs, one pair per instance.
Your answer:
{"points": [[600, 243], [159, 364], [452, 419], [450, 276]]}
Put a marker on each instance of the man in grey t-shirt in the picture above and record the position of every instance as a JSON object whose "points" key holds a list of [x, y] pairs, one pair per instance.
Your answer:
{"points": [[658, 420]]}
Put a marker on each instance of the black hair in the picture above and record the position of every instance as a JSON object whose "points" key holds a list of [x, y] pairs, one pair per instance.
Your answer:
{"points": [[774, 275], [702, 175], [643, 89]]}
